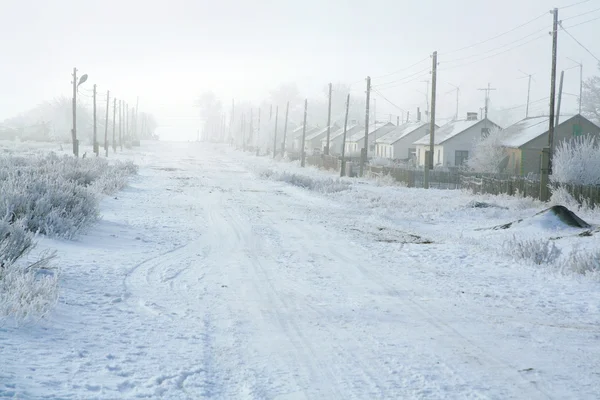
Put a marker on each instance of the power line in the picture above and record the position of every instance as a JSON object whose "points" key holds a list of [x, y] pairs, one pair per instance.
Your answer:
{"points": [[403, 69], [573, 5], [495, 37], [584, 22], [579, 43], [581, 15], [499, 47], [386, 99], [496, 54], [401, 79], [406, 82]]}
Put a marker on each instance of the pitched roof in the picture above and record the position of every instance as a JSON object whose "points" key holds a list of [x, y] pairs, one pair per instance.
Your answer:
{"points": [[385, 127], [316, 134], [452, 129], [350, 130], [401, 131], [525, 131]]}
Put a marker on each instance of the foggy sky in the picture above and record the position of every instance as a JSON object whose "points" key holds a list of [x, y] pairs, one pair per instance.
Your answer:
{"points": [[168, 52]]}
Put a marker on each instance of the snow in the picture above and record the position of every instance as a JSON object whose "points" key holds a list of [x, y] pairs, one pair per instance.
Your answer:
{"points": [[211, 278], [318, 133], [449, 130], [524, 131], [379, 128], [340, 132], [400, 132]]}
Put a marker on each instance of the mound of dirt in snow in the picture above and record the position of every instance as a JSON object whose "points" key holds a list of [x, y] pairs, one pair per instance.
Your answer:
{"points": [[482, 204], [553, 218]]}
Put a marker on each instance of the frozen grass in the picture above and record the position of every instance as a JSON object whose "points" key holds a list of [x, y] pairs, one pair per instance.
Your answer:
{"points": [[314, 183], [536, 251], [52, 195], [583, 262]]}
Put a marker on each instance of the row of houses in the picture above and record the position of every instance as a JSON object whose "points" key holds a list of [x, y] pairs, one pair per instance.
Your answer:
{"points": [[454, 141]]}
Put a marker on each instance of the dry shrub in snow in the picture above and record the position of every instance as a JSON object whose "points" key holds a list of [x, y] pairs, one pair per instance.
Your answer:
{"points": [[316, 184], [26, 290], [577, 161], [54, 195], [537, 251], [583, 262]]}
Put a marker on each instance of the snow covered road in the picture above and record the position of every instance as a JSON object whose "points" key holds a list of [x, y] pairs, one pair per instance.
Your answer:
{"points": [[205, 281]]}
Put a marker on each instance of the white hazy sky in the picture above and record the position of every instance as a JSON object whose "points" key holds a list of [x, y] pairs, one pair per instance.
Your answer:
{"points": [[168, 52]]}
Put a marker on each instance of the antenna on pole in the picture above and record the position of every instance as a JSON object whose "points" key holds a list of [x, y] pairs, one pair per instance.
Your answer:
{"points": [[457, 90], [528, 90]]}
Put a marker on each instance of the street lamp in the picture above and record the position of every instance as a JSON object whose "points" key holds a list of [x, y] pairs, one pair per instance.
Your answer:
{"points": [[76, 84]]}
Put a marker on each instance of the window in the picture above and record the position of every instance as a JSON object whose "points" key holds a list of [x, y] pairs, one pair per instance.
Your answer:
{"points": [[460, 156], [485, 132], [439, 155]]}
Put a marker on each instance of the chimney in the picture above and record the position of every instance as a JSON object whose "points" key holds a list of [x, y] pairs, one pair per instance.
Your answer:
{"points": [[471, 116], [418, 114]]}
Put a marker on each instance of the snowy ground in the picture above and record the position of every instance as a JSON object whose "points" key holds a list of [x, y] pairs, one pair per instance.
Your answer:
{"points": [[206, 280]]}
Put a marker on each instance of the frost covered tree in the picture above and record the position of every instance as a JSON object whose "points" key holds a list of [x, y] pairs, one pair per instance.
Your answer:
{"points": [[591, 98], [488, 153], [577, 161], [211, 112]]}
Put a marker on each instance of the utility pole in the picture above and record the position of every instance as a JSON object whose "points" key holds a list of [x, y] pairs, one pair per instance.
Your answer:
{"points": [[328, 121], [135, 116], [106, 123], [552, 89], [114, 141], [560, 89], [343, 166], [231, 121], [528, 92], [364, 151], [95, 139], [251, 127], [275, 136], [287, 110], [303, 133], [427, 99], [580, 82], [243, 128], [487, 98], [457, 90], [74, 130], [121, 124], [127, 126], [429, 159], [258, 135]]}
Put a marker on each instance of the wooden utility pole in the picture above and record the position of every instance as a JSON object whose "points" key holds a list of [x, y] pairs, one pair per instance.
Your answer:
{"points": [[580, 81], [552, 90], [106, 123], [287, 110], [243, 128], [95, 138], [364, 151], [343, 166], [135, 117], [487, 98], [429, 158], [74, 130], [328, 121], [303, 133], [230, 138], [275, 135], [114, 141], [560, 89], [258, 134], [127, 126], [121, 124]]}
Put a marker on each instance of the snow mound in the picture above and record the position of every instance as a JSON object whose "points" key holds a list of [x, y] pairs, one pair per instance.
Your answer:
{"points": [[554, 218]]}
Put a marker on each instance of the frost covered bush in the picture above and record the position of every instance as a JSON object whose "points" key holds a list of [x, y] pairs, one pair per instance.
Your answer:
{"points": [[317, 184], [488, 153], [584, 263], [537, 251], [577, 161], [57, 196], [25, 291]]}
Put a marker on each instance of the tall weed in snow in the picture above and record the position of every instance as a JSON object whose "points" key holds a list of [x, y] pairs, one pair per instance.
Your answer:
{"points": [[583, 262], [537, 251], [317, 184], [577, 161]]}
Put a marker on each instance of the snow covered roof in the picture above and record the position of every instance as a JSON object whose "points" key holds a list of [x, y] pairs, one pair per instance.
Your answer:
{"points": [[525, 131], [350, 130], [385, 127], [316, 134], [297, 133], [452, 129], [401, 131]]}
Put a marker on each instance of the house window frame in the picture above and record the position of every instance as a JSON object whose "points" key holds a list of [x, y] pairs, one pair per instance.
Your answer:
{"points": [[463, 155]]}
